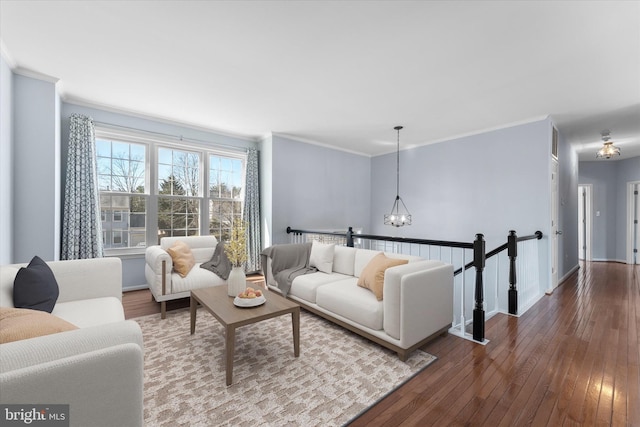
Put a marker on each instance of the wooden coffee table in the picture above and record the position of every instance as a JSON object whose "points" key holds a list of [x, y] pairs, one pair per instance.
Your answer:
{"points": [[216, 301]]}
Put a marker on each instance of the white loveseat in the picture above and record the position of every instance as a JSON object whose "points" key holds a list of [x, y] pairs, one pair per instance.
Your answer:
{"points": [[417, 302], [165, 283], [97, 369]]}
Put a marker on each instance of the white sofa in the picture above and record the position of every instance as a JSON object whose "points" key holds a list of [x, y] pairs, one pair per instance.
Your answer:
{"points": [[97, 369], [166, 284], [416, 307]]}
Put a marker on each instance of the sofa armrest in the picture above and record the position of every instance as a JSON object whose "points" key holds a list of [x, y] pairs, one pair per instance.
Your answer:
{"points": [[33, 351], [154, 257], [102, 387], [418, 300], [98, 371]]}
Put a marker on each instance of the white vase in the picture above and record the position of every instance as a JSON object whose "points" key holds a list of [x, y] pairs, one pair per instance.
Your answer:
{"points": [[237, 281]]}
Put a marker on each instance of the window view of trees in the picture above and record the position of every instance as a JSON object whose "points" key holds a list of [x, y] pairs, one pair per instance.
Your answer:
{"points": [[121, 175], [225, 188], [178, 182]]}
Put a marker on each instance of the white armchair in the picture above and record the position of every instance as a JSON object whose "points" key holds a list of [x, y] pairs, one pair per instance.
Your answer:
{"points": [[97, 369], [165, 283]]}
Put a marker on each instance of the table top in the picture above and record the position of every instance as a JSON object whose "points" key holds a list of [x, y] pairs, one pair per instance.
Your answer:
{"points": [[220, 305]]}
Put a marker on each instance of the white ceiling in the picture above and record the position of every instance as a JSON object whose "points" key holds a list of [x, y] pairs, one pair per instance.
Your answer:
{"points": [[344, 73]]}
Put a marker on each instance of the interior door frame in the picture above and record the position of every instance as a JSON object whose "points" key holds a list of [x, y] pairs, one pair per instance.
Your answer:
{"points": [[631, 208], [588, 218], [555, 218]]}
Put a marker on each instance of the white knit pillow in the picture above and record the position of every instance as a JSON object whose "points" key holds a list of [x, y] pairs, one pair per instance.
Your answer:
{"points": [[322, 256]]}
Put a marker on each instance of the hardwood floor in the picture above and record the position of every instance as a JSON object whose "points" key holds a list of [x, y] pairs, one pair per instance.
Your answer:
{"points": [[572, 359]]}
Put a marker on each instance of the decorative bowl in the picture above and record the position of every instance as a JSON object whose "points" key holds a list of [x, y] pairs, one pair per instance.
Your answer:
{"points": [[249, 302]]}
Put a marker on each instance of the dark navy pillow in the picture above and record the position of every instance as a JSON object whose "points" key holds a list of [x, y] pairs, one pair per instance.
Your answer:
{"points": [[35, 287]]}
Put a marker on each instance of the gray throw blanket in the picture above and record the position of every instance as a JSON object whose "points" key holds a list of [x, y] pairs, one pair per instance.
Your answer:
{"points": [[288, 261], [219, 263]]}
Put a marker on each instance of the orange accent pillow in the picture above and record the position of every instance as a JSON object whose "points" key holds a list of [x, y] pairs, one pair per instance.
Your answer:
{"points": [[182, 257], [372, 276], [22, 323]]}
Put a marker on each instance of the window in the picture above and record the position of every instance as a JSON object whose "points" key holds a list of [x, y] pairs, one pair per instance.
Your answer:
{"points": [[122, 177], [151, 188], [226, 179], [178, 192]]}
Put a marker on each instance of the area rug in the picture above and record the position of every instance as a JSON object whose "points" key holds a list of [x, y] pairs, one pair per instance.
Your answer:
{"points": [[337, 376]]}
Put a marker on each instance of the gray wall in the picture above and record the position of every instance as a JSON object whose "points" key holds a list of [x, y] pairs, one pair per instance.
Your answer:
{"points": [[609, 180], [6, 163], [568, 208], [36, 169], [316, 187], [488, 183]]}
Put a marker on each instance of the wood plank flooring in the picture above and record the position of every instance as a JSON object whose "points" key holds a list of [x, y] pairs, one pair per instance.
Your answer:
{"points": [[572, 360]]}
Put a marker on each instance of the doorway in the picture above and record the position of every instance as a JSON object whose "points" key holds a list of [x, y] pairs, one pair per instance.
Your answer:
{"points": [[633, 217], [584, 222]]}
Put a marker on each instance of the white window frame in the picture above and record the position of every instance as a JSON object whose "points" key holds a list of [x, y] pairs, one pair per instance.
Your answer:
{"points": [[153, 142]]}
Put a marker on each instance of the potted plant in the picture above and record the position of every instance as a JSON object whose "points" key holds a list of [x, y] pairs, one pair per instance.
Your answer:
{"points": [[236, 252]]}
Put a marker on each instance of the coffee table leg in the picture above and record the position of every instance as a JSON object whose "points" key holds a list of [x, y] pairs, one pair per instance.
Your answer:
{"points": [[230, 347], [193, 305], [295, 320]]}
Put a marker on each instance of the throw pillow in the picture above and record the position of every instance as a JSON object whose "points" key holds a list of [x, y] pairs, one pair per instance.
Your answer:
{"points": [[372, 276], [219, 264], [182, 257], [35, 287], [321, 256], [21, 323]]}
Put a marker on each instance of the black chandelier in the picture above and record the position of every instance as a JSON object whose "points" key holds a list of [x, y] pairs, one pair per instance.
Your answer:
{"points": [[399, 215]]}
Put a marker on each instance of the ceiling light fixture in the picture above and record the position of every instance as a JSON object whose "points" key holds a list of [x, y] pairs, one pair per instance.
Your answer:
{"points": [[608, 150], [399, 215]]}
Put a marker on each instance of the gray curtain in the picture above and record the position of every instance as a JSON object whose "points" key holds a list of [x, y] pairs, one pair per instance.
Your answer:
{"points": [[251, 212], [81, 222]]}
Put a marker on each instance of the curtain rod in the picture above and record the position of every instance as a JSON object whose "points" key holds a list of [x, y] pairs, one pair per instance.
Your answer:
{"points": [[166, 135]]}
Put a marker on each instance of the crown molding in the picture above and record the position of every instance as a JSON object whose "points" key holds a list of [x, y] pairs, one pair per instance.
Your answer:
{"points": [[165, 120], [6, 55], [472, 133], [320, 144], [35, 75]]}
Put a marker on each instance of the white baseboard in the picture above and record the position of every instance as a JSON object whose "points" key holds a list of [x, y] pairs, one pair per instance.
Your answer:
{"points": [[569, 273], [621, 261], [135, 288]]}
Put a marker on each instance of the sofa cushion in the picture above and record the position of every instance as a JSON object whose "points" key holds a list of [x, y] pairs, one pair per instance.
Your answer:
{"points": [[344, 259], [362, 258], [372, 276], [7, 276], [90, 312], [182, 258], [21, 323], [347, 299], [305, 285], [322, 256], [197, 278], [35, 287]]}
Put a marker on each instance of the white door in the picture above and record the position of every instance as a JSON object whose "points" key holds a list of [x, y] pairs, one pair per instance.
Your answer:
{"points": [[554, 225], [584, 222]]}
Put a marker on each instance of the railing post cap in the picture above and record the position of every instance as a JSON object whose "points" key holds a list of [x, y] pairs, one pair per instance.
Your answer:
{"points": [[288, 230]]}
